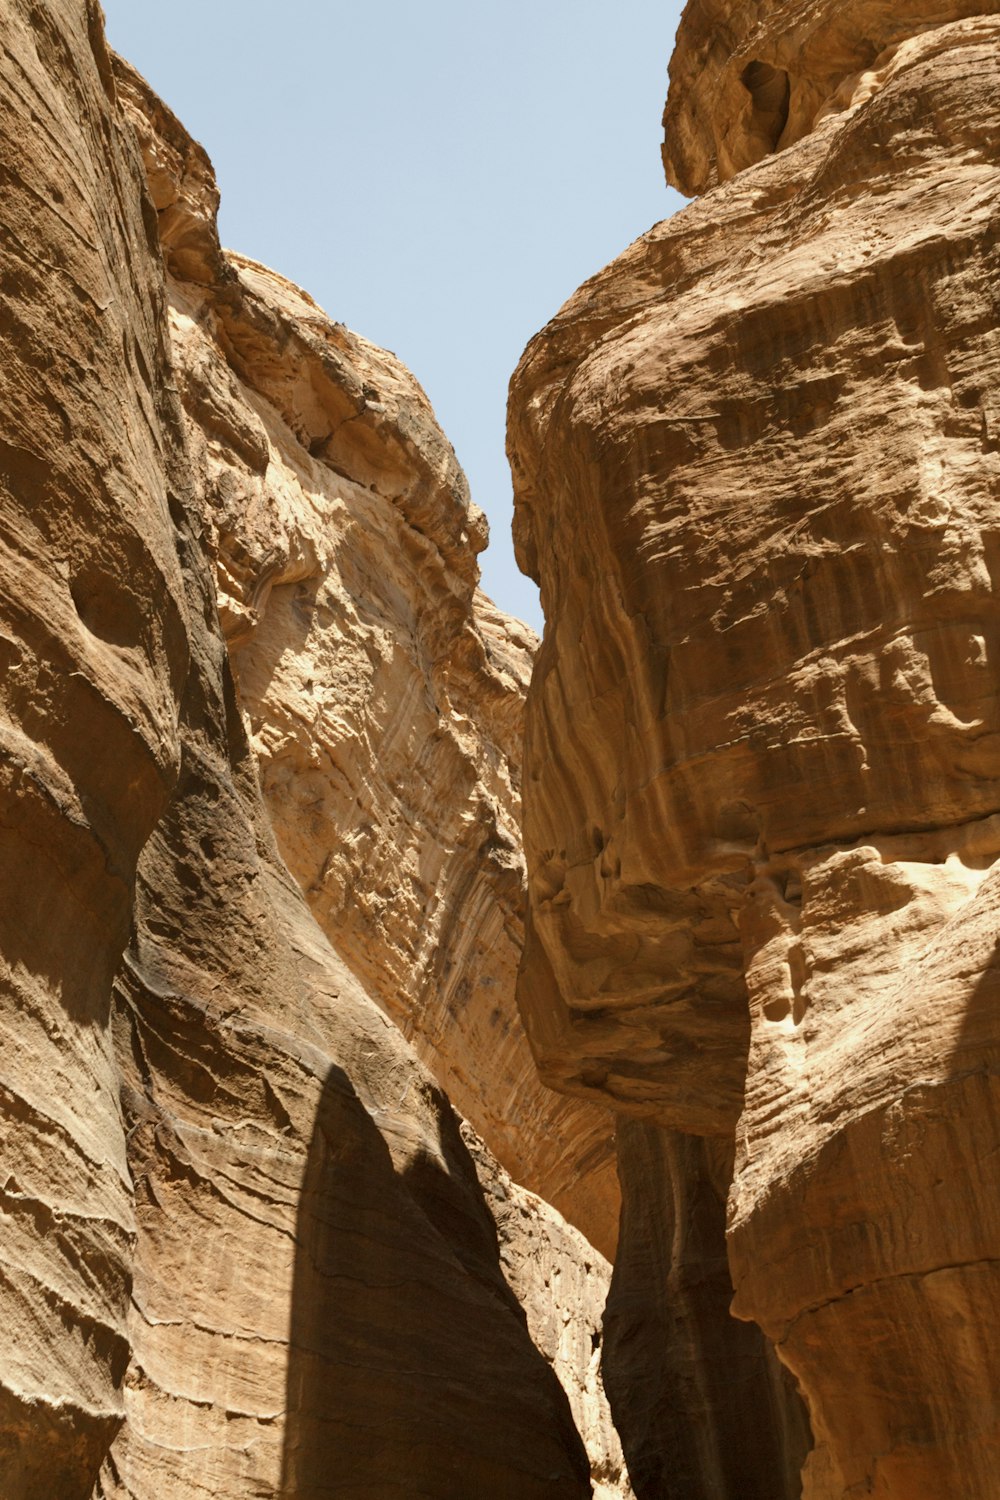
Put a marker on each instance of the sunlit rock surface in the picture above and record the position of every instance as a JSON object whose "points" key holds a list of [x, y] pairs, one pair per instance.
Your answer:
{"points": [[247, 1248], [384, 692], [747, 79], [757, 463], [95, 640]]}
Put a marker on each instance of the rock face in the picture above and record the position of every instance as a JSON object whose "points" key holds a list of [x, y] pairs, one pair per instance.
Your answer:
{"points": [[747, 80], [704, 1404], [757, 463], [562, 1285], [384, 693], [95, 645], [247, 1249]]}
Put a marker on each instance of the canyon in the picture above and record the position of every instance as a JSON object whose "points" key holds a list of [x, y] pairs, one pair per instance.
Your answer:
{"points": [[443, 1063]]}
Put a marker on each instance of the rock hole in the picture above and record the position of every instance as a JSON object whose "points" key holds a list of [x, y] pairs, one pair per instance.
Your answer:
{"points": [[770, 92], [594, 1078], [777, 1009], [107, 609], [798, 974]]}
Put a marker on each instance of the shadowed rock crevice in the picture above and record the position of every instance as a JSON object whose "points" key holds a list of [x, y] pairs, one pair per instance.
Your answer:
{"points": [[388, 1351], [769, 91], [704, 1408]]}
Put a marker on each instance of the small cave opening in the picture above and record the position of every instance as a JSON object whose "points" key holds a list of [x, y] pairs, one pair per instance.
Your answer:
{"points": [[108, 607], [770, 94]]}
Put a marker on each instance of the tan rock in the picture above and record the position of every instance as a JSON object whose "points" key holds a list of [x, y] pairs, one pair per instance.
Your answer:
{"points": [[384, 692], [750, 79], [246, 1250], [757, 472], [94, 644], [562, 1283], [318, 1304]]}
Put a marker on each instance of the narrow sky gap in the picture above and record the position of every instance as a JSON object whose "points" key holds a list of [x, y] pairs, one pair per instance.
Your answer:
{"points": [[440, 177]]}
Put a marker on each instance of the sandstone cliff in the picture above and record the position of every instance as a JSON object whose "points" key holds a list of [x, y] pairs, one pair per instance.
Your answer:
{"points": [[757, 463], [247, 1247], [384, 693]]}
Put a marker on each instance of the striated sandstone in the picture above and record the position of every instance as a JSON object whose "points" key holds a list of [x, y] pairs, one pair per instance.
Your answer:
{"points": [[246, 1248], [384, 692], [94, 642], [757, 463], [750, 79], [702, 1403]]}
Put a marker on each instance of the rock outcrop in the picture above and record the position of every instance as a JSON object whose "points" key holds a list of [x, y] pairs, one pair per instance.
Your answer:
{"points": [[757, 463], [384, 692], [247, 1247]]}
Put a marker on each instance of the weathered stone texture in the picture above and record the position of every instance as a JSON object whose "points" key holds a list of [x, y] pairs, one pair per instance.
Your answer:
{"points": [[563, 1284], [93, 645], [384, 692], [703, 1405], [757, 463], [245, 1247], [748, 79], [319, 1306]]}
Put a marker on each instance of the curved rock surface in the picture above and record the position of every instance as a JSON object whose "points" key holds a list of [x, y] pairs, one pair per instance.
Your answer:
{"points": [[95, 645], [704, 1406], [246, 1247], [384, 692], [757, 463], [750, 79]]}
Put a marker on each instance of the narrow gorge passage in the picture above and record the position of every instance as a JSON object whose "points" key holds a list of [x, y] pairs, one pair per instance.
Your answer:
{"points": [[445, 1063]]}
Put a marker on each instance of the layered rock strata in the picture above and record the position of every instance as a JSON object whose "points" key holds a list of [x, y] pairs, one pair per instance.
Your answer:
{"points": [[704, 1405], [757, 463], [246, 1247], [384, 692]]}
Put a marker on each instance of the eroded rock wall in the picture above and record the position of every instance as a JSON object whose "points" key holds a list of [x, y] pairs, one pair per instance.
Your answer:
{"points": [[95, 643], [384, 691], [750, 79], [757, 463], [246, 1247], [702, 1401]]}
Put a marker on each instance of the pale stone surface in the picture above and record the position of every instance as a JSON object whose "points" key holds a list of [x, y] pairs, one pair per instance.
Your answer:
{"points": [[758, 472], [246, 1250], [882, 1287]]}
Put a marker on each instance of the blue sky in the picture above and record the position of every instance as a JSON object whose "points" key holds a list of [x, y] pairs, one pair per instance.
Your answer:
{"points": [[440, 177]]}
